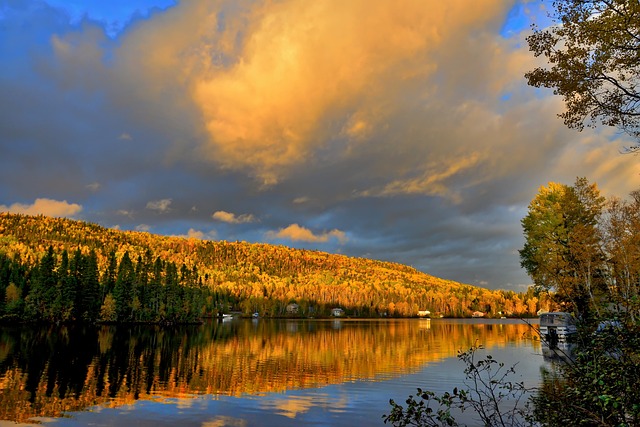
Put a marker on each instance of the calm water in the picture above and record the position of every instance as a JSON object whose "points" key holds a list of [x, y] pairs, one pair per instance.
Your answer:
{"points": [[243, 372]]}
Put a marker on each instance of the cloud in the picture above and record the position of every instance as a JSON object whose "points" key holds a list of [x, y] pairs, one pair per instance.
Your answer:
{"points": [[294, 232], [432, 182], [301, 200], [161, 206], [232, 218], [94, 186], [200, 235], [143, 227], [47, 207], [276, 83], [410, 129], [320, 84]]}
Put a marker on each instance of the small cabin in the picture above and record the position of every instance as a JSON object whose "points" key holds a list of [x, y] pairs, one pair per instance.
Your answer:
{"points": [[477, 314], [337, 312], [424, 313], [293, 308]]}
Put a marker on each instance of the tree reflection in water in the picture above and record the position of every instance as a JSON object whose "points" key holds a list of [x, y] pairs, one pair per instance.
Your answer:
{"points": [[45, 372]]}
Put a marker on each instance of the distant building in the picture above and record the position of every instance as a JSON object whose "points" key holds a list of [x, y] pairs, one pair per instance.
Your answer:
{"points": [[477, 314], [424, 313], [293, 308], [337, 312]]}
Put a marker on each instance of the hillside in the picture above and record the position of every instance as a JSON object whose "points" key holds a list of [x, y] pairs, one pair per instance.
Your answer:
{"points": [[56, 268]]}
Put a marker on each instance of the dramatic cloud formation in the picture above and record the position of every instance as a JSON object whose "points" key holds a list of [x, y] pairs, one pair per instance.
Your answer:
{"points": [[48, 207], [330, 73], [409, 129]]}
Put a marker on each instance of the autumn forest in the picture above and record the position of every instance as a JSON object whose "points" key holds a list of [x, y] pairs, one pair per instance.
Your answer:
{"points": [[59, 270]]}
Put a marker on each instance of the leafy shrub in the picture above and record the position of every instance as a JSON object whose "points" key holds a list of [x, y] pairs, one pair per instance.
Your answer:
{"points": [[488, 392]]}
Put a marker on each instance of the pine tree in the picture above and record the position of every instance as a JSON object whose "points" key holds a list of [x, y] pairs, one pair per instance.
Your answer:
{"points": [[109, 277], [44, 290], [122, 291], [90, 296], [67, 279]]}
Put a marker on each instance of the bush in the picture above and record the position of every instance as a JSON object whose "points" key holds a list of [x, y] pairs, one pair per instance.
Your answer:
{"points": [[600, 386], [495, 400]]}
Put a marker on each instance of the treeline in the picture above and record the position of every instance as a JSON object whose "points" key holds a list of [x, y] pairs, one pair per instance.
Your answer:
{"points": [[57, 269], [62, 288]]}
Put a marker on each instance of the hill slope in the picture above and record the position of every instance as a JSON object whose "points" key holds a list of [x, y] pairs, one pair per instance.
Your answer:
{"points": [[139, 274]]}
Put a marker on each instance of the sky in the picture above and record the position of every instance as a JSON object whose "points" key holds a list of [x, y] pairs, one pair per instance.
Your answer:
{"points": [[402, 132]]}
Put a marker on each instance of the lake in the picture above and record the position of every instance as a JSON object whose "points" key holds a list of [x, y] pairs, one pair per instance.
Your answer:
{"points": [[243, 372]]}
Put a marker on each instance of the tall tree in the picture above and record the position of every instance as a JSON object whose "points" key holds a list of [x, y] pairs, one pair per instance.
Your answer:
{"points": [[109, 276], [622, 243], [68, 281], [44, 289], [122, 292], [594, 55], [562, 243], [156, 281], [88, 300]]}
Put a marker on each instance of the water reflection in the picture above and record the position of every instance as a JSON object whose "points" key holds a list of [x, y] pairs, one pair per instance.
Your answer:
{"points": [[45, 372], [560, 352]]}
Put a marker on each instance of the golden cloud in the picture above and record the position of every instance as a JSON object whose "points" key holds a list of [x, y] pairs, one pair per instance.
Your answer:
{"points": [[198, 234], [47, 207], [305, 73], [294, 232], [232, 218], [195, 234], [432, 182], [282, 85]]}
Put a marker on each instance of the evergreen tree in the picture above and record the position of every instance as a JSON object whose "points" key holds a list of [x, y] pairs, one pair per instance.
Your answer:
{"points": [[109, 277], [44, 289], [155, 293], [19, 274], [89, 300], [173, 298], [140, 292], [67, 279], [5, 273], [122, 291]]}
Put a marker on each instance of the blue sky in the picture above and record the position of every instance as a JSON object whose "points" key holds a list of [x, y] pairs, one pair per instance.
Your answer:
{"points": [[402, 134], [113, 15]]}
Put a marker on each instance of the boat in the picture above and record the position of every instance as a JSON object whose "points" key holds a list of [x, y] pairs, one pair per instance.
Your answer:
{"points": [[557, 326]]}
